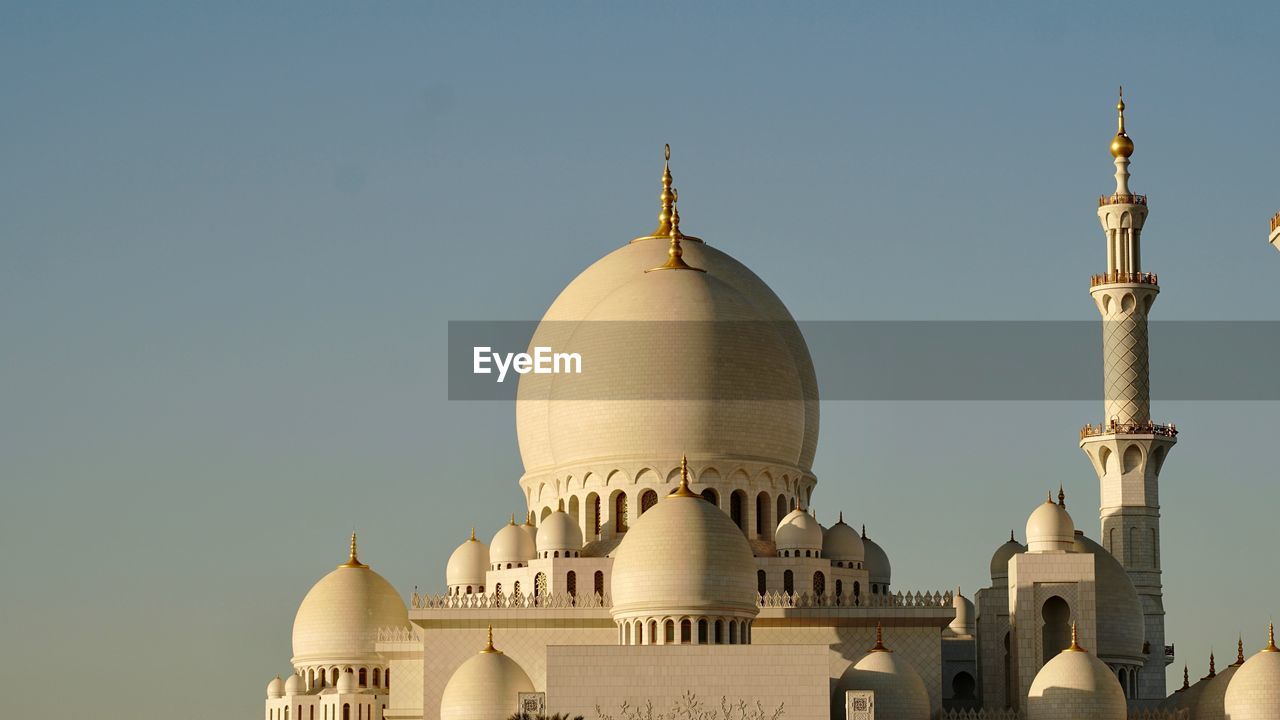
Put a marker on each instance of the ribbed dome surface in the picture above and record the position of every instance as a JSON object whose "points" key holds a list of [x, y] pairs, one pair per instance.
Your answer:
{"points": [[684, 556], [339, 618], [711, 364]]}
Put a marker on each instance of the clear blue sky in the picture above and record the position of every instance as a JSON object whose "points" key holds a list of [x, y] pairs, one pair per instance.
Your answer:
{"points": [[231, 237]]}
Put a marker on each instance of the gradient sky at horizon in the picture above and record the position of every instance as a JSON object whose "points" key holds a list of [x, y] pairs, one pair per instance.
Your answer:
{"points": [[233, 235]]}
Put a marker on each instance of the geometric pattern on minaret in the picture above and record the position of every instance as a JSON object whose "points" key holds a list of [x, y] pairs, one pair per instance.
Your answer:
{"points": [[1128, 450]]}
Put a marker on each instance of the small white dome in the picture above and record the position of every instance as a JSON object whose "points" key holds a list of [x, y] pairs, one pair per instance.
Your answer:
{"points": [[484, 687], [965, 622], [1252, 694], [1073, 685], [294, 685], [512, 544], [1050, 529], [468, 563], [1000, 559], [900, 692], [559, 533], [841, 543], [1211, 706], [877, 561], [275, 688], [346, 682], [798, 531], [684, 556], [338, 620]]}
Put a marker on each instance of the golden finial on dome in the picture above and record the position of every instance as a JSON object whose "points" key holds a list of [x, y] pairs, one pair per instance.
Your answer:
{"points": [[473, 533], [879, 646], [528, 519], [1011, 537], [675, 253], [682, 490], [560, 505], [1062, 497], [1186, 679], [1075, 641], [488, 646], [1213, 671], [668, 216], [1271, 639], [513, 519], [841, 517], [353, 561], [1121, 145], [1239, 652]]}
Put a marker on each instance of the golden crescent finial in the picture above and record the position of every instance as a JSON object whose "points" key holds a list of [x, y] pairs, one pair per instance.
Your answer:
{"points": [[667, 149], [675, 253]]}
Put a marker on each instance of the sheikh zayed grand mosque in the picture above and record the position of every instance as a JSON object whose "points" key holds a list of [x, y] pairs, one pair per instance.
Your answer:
{"points": [[670, 563]]}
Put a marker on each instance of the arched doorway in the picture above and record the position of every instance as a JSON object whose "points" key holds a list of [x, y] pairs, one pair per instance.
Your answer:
{"points": [[1056, 631]]}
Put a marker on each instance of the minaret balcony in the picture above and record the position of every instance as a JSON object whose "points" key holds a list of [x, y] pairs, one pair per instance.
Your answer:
{"points": [[1115, 276], [1130, 428], [1122, 199], [1275, 222]]}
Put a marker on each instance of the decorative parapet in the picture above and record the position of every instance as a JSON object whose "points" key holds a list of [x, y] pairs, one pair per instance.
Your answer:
{"points": [[1134, 428], [409, 634], [931, 600], [1151, 714], [478, 602], [983, 714], [1122, 199], [1115, 276]]}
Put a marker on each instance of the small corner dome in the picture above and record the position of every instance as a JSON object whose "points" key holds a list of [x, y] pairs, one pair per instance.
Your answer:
{"points": [[1252, 693], [512, 544], [684, 555], [1003, 554], [841, 543], [900, 692], [877, 561], [338, 620], [468, 563], [346, 682], [798, 531], [1075, 684], [275, 688], [964, 623], [294, 685], [1050, 528], [484, 687], [559, 532]]}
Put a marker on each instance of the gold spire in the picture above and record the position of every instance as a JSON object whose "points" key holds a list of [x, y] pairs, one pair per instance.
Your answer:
{"points": [[513, 519], [1186, 679], [879, 647], [488, 646], [1075, 641], [1062, 497], [560, 505], [1121, 145], [1271, 639], [528, 519], [1239, 652], [683, 489], [864, 531], [668, 217], [1213, 671], [675, 254], [841, 516], [473, 533], [1011, 537], [353, 561]]}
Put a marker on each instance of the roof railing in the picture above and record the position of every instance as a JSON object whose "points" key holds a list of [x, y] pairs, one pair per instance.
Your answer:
{"points": [[1130, 428], [1115, 276], [1122, 199]]}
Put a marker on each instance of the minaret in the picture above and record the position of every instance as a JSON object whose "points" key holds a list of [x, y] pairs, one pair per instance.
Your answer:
{"points": [[1128, 449]]}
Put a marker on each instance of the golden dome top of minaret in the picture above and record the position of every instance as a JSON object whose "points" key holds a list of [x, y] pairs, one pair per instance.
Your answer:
{"points": [[1121, 144]]}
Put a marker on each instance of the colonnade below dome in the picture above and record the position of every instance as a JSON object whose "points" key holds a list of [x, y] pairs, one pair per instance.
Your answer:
{"points": [[684, 630]]}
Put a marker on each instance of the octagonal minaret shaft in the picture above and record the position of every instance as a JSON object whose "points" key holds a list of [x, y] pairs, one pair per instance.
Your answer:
{"points": [[1127, 449]]}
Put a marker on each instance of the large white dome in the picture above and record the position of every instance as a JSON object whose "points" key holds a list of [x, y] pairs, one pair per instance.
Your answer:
{"points": [[684, 556], [1252, 694], [338, 620], [1074, 685], [900, 693], [485, 687], [705, 363]]}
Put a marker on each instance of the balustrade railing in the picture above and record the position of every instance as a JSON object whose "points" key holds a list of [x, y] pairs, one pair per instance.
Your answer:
{"points": [[496, 601], [1133, 428], [896, 600], [1275, 222], [1122, 199], [1115, 276]]}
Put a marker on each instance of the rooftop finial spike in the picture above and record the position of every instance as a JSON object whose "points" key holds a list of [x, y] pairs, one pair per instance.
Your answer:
{"points": [[1062, 497], [473, 532], [488, 646], [841, 516], [1011, 536], [353, 560], [667, 197], [1239, 651], [1271, 639], [683, 489], [1121, 145], [675, 253], [1186, 678], [1075, 641], [879, 647], [1213, 671], [864, 531]]}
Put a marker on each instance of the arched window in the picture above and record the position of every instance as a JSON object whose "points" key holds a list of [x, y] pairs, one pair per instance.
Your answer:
{"points": [[733, 633], [710, 496], [686, 631], [333, 676], [839, 588], [788, 582], [702, 632], [1056, 632], [571, 583], [626, 633], [539, 586], [648, 499], [763, 526], [719, 636], [963, 688], [497, 591], [593, 515], [738, 510], [760, 582], [620, 512], [386, 679], [652, 636], [346, 711], [819, 584], [782, 508], [857, 588], [364, 677], [599, 583], [377, 677], [670, 632]]}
